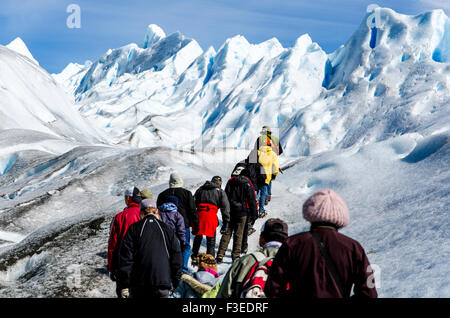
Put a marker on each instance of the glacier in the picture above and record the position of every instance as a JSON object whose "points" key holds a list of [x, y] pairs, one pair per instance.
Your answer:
{"points": [[370, 120], [316, 101]]}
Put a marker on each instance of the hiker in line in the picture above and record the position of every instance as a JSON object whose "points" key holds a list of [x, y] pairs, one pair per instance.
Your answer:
{"points": [[187, 209], [257, 176], [269, 160], [118, 228], [150, 260], [208, 199], [267, 139], [202, 281], [321, 262], [273, 234], [243, 206], [170, 215]]}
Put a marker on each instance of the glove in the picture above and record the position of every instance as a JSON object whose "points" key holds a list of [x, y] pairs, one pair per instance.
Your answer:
{"points": [[125, 293], [225, 227], [113, 277], [274, 176]]}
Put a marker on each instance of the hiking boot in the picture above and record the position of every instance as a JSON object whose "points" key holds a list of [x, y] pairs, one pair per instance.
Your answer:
{"points": [[194, 261], [262, 214], [269, 197], [250, 232], [219, 259]]}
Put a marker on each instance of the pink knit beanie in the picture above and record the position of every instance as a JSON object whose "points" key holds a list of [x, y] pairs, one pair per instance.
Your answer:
{"points": [[326, 206]]}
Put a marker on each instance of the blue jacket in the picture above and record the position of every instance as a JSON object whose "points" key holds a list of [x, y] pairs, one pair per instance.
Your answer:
{"points": [[170, 215]]}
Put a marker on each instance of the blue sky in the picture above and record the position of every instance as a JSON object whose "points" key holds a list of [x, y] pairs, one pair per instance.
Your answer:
{"points": [[111, 24]]}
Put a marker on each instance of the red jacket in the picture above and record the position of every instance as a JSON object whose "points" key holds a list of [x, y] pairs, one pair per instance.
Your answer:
{"points": [[119, 226], [300, 265]]}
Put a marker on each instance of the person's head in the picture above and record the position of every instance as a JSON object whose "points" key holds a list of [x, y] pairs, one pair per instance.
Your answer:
{"points": [[217, 179], [326, 206], [146, 194], [172, 199], [273, 230], [237, 171], [132, 194], [206, 261], [175, 180], [266, 130], [148, 206]]}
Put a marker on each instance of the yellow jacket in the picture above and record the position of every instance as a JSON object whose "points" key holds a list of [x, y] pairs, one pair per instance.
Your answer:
{"points": [[269, 160]]}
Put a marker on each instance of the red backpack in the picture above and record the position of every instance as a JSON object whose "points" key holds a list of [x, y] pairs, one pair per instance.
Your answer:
{"points": [[256, 278]]}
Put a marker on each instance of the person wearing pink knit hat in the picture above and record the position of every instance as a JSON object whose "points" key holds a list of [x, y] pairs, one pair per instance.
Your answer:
{"points": [[321, 263], [326, 206]]}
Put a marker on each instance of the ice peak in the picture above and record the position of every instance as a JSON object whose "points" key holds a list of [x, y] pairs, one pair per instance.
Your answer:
{"points": [[154, 34], [19, 46], [303, 41]]}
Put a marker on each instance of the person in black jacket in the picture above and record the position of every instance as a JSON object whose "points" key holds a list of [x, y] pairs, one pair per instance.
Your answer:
{"points": [[186, 206], [150, 261], [256, 172], [243, 206], [209, 198]]}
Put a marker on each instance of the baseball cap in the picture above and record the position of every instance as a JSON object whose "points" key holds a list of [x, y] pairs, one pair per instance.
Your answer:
{"points": [[277, 226]]}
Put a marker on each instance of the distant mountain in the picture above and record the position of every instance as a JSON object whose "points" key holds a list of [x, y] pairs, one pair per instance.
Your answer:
{"points": [[20, 47]]}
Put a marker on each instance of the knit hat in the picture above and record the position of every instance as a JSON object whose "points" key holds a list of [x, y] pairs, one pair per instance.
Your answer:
{"points": [[148, 203], [275, 226], [172, 199], [326, 206], [206, 261], [146, 194], [175, 180]]}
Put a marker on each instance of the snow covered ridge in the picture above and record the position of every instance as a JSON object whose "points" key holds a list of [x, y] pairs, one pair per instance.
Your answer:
{"points": [[20, 47], [169, 91], [31, 99]]}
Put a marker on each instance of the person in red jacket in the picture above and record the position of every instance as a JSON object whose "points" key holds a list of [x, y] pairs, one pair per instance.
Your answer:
{"points": [[321, 263], [119, 226]]}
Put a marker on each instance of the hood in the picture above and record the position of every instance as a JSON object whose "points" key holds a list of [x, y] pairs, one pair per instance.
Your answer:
{"points": [[168, 207], [197, 286], [210, 185], [175, 181]]}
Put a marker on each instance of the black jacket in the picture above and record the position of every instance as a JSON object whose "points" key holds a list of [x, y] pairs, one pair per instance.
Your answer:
{"points": [[257, 174], [150, 256], [186, 205], [211, 193], [242, 197]]}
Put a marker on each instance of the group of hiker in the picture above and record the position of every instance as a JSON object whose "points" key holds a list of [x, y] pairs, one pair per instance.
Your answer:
{"points": [[149, 247]]}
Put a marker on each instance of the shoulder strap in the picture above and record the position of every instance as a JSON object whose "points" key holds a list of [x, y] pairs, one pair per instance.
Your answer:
{"points": [[329, 262], [259, 256]]}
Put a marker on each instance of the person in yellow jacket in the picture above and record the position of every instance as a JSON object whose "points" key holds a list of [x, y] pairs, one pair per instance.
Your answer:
{"points": [[269, 160]]}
